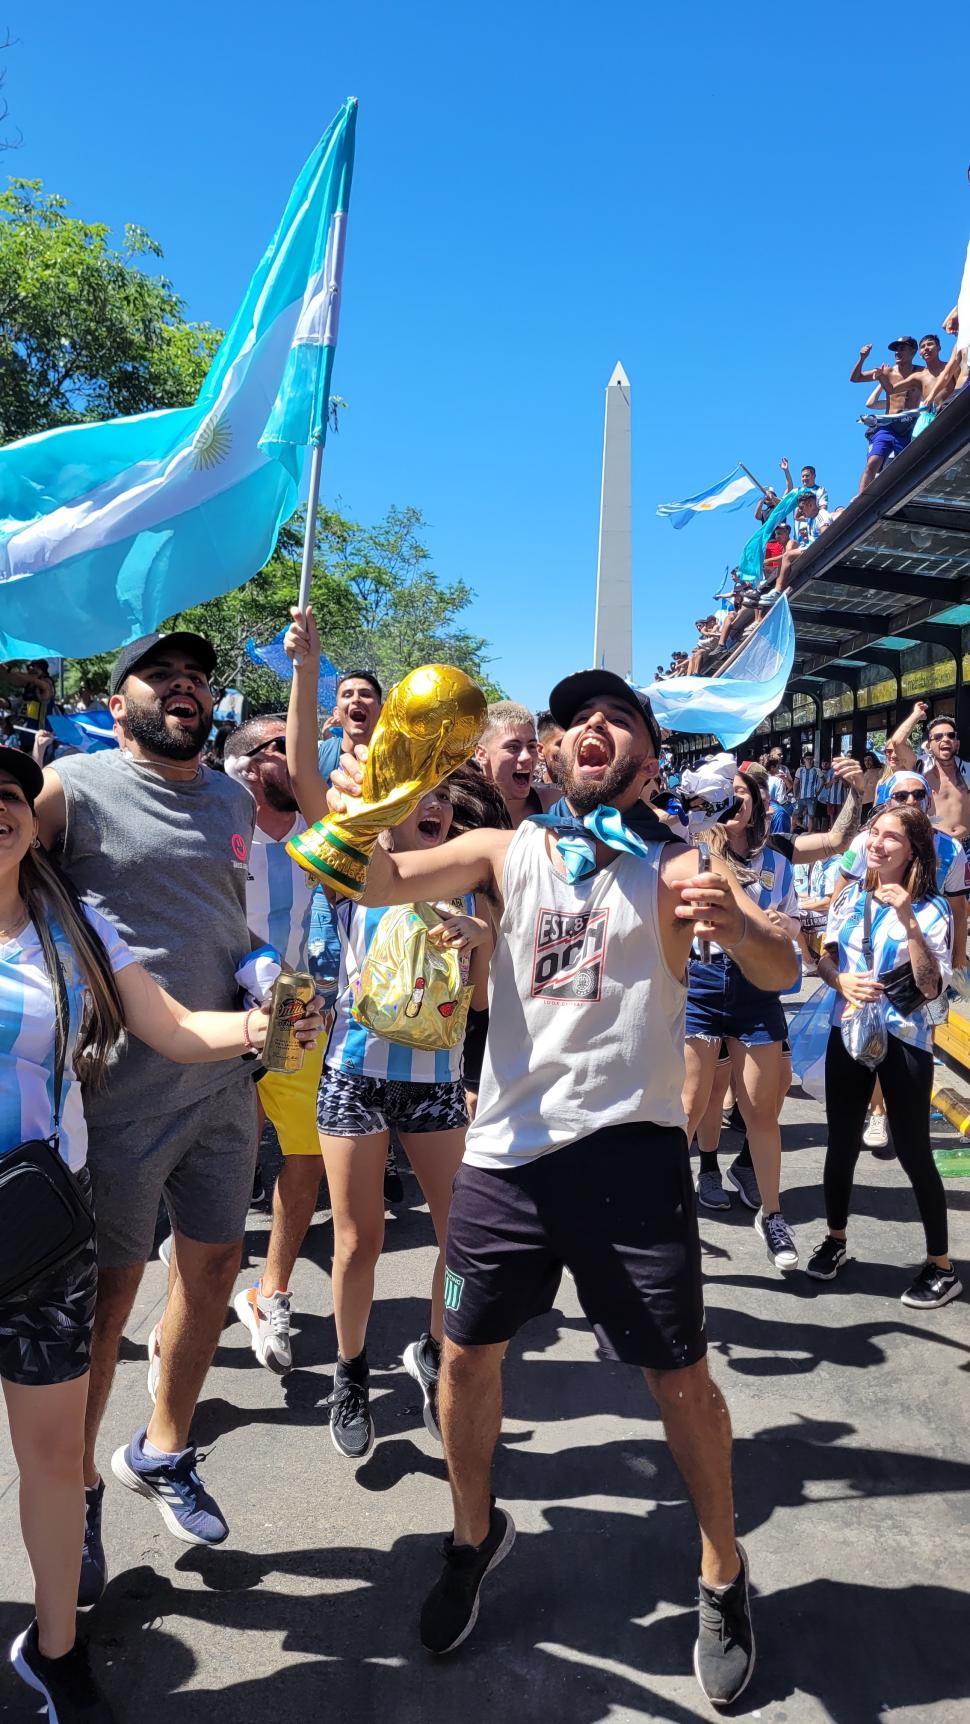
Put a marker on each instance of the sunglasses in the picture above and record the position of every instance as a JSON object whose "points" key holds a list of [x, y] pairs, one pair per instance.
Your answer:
{"points": [[908, 796], [274, 745], [943, 736]]}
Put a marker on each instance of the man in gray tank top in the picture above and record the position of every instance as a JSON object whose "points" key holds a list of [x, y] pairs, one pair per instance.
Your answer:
{"points": [[159, 844], [588, 993]]}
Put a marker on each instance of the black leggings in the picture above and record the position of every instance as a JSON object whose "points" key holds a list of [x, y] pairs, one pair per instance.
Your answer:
{"points": [[906, 1076]]}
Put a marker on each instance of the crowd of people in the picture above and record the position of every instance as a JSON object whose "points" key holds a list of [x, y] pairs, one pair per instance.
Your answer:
{"points": [[617, 996]]}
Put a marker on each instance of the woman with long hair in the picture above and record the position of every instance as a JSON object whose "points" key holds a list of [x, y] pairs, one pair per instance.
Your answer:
{"points": [[725, 1009], [909, 923], [370, 1085], [69, 987]]}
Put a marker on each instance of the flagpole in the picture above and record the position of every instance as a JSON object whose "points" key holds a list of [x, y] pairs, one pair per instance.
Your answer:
{"points": [[762, 488], [310, 536]]}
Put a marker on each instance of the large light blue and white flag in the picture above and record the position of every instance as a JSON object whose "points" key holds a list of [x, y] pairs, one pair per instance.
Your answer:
{"points": [[730, 707], [107, 529], [730, 493]]}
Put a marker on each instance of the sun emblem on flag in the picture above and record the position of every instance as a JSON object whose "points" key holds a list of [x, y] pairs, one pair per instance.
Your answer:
{"points": [[212, 442]]}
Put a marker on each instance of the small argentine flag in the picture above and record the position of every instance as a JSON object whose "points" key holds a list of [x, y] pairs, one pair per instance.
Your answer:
{"points": [[729, 493]]}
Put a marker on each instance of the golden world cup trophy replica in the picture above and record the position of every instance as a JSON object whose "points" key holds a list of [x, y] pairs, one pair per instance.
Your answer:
{"points": [[430, 724]]}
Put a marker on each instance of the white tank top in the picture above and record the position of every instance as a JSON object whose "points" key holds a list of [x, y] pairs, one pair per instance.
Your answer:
{"points": [[586, 1020]]}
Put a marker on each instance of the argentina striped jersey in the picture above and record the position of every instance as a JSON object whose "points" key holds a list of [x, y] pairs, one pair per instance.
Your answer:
{"points": [[279, 896], [889, 947]]}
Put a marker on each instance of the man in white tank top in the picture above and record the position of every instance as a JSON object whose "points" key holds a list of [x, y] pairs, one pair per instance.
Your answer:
{"points": [[577, 1157]]}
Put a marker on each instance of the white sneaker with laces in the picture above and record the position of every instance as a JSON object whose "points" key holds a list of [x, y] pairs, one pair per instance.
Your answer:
{"points": [[268, 1322], [876, 1134], [154, 1361], [779, 1240]]}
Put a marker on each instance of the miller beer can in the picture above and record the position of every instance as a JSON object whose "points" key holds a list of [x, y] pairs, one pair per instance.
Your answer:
{"points": [[291, 995]]}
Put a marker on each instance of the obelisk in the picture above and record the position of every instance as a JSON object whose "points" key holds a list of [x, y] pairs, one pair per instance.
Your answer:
{"points": [[613, 634]]}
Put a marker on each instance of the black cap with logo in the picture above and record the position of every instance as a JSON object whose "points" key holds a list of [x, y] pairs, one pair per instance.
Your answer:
{"points": [[140, 651], [574, 691]]}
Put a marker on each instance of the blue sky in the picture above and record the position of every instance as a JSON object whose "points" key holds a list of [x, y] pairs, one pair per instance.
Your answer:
{"points": [[729, 201]]}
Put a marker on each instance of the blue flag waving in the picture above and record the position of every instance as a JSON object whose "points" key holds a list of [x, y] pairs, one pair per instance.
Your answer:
{"points": [[730, 707], [273, 656], [107, 529], [730, 493]]}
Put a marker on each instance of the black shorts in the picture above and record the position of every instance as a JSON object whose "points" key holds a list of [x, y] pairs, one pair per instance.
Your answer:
{"points": [[45, 1330], [616, 1209]]}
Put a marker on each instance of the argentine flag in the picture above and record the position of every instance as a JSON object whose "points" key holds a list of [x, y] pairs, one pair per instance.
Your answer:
{"points": [[107, 529], [730, 707], [729, 493]]}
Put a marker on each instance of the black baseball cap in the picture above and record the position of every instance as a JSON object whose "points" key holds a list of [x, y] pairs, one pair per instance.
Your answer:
{"points": [[138, 651], [25, 770], [574, 691], [904, 341]]}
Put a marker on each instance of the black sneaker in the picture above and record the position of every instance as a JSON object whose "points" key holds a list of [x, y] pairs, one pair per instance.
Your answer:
{"points": [[422, 1361], [351, 1426], [94, 1568], [827, 1259], [724, 1649], [933, 1286], [393, 1183], [451, 1608], [71, 1693]]}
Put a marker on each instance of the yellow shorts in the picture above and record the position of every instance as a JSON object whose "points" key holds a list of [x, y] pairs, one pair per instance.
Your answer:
{"points": [[290, 1101]]}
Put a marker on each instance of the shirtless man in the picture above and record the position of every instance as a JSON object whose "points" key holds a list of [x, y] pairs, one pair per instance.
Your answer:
{"points": [[903, 383], [941, 768]]}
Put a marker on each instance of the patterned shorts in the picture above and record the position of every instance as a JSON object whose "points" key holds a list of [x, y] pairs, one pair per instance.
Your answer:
{"points": [[349, 1105], [45, 1330]]}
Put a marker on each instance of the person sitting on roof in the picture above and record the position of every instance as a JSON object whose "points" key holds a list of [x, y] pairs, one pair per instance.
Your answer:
{"points": [[808, 523]]}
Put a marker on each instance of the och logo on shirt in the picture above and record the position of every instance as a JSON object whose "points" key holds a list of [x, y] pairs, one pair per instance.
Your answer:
{"points": [[569, 954]]}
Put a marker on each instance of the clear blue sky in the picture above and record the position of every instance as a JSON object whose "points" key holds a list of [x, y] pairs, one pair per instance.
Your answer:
{"points": [[728, 200]]}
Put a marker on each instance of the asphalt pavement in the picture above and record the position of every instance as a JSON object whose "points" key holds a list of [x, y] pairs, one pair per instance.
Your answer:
{"points": [[852, 1479]]}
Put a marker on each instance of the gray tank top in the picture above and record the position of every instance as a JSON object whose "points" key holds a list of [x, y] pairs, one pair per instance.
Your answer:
{"points": [[586, 1020]]}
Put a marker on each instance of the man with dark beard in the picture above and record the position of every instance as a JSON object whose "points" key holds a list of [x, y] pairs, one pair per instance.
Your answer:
{"points": [[577, 1156], [160, 845]]}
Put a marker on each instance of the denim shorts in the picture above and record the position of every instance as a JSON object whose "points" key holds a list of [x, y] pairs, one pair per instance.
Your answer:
{"points": [[721, 1002]]}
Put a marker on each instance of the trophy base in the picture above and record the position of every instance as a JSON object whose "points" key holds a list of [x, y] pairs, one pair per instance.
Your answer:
{"points": [[331, 860]]}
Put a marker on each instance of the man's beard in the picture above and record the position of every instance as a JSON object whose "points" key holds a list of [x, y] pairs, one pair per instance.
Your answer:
{"points": [[279, 798], [146, 724], [584, 796]]}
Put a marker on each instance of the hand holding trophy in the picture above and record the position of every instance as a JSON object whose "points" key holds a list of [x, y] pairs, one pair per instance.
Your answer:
{"points": [[430, 724]]}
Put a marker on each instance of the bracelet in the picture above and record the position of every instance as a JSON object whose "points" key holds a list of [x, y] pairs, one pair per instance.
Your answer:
{"points": [[250, 1044], [729, 947]]}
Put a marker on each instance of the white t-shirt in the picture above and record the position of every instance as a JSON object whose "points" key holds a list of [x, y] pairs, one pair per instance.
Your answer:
{"points": [[279, 896], [27, 1039]]}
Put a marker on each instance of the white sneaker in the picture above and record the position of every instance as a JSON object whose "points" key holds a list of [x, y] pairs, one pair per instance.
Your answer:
{"points": [[876, 1134], [268, 1322], [165, 1250], [154, 1361]]}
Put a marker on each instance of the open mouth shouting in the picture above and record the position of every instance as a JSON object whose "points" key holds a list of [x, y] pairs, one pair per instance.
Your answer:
{"points": [[183, 708], [431, 826], [594, 753]]}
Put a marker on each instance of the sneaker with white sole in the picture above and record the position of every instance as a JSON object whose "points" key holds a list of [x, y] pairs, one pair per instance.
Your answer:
{"points": [[724, 1650], [710, 1192], [745, 1182], [268, 1322], [165, 1250], [173, 1484], [876, 1134], [450, 1610], [933, 1286], [422, 1361], [67, 1684], [827, 1259], [154, 1361], [351, 1425], [779, 1240]]}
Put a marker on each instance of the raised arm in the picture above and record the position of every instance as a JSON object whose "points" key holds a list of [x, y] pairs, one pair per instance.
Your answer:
{"points": [[475, 862], [878, 374], [905, 752], [819, 846], [786, 469], [302, 644]]}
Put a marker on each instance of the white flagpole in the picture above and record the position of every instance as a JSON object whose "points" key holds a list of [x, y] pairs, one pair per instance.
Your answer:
{"points": [[310, 536]]}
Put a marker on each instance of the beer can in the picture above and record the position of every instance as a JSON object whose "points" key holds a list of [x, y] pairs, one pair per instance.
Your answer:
{"points": [[291, 995]]}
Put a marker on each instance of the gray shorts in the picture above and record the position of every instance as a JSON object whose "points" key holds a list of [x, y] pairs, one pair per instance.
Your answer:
{"points": [[201, 1159]]}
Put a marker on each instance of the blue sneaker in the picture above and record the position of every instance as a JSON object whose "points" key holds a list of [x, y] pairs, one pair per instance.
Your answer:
{"points": [[94, 1568], [177, 1491]]}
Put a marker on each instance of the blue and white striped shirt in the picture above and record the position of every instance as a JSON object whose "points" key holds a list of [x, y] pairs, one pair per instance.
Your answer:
{"points": [[351, 1047], [889, 948], [279, 896], [774, 887], [27, 1038]]}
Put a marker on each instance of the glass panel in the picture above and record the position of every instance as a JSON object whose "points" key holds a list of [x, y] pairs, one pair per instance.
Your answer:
{"points": [[927, 667]]}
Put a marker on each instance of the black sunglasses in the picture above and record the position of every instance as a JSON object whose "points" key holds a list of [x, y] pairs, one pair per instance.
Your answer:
{"points": [[941, 735], [908, 796], [276, 743]]}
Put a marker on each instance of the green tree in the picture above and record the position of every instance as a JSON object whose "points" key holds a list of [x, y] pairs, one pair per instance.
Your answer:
{"points": [[85, 331]]}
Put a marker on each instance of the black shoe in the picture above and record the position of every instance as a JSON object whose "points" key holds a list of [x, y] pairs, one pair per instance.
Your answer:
{"points": [[827, 1259], [451, 1608], [422, 1361], [351, 1426], [724, 1649], [71, 1693], [94, 1568], [933, 1286], [259, 1190], [393, 1183]]}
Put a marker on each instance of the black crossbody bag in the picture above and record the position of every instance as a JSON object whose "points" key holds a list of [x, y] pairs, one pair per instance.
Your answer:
{"points": [[45, 1216]]}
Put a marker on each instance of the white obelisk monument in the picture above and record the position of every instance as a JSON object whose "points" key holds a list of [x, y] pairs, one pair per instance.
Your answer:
{"points": [[613, 634]]}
